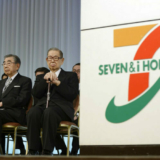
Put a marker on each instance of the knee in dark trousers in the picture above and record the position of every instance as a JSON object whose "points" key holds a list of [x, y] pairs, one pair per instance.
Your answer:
{"points": [[49, 119], [50, 123]]}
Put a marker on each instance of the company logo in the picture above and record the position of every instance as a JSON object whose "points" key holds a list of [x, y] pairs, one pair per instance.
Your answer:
{"points": [[138, 82]]}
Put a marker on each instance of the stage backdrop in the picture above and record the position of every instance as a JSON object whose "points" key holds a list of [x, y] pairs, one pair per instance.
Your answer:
{"points": [[120, 72], [29, 28]]}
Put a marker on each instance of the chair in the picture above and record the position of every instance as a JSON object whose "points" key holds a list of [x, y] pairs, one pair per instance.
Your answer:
{"points": [[13, 127], [66, 128], [69, 128]]}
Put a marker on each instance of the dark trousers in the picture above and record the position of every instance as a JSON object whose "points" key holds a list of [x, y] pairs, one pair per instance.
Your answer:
{"points": [[75, 145], [75, 142], [48, 119], [60, 143], [7, 116], [19, 142]]}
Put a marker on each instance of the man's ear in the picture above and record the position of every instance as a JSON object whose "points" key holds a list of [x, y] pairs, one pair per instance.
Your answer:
{"points": [[18, 66], [62, 60]]}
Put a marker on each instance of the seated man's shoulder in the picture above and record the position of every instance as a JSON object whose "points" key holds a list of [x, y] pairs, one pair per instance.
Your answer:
{"points": [[24, 78], [40, 76], [2, 80], [69, 73]]}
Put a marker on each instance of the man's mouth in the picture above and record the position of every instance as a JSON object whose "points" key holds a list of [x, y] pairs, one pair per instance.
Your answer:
{"points": [[53, 64]]}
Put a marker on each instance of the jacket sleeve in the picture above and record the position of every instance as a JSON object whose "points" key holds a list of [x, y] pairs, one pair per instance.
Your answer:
{"points": [[22, 98], [69, 90], [40, 87]]}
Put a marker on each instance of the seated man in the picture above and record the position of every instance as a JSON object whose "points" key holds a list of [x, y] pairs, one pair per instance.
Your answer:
{"points": [[4, 76], [15, 93], [63, 90], [75, 143], [40, 71], [19, 141]]}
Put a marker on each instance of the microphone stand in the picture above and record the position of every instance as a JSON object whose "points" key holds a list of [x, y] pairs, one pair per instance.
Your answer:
{"points": [[48, 93]]}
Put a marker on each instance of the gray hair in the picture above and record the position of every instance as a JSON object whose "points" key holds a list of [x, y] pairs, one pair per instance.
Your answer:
{"points": [[15, 57], [56, 49]]}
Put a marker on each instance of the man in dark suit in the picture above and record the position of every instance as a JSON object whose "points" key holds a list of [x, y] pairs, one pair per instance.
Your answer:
{"points": [[4, 76], [19, 140], [39, 71], [75, 143], [63, 91], [15, 93]]}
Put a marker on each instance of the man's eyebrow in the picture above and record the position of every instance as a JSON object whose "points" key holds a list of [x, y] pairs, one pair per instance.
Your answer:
{"points": [[7, 61], [53, 56]]}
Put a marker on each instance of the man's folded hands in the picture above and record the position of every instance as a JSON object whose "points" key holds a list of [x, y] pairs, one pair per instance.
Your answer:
{"points": [[52, 77]]}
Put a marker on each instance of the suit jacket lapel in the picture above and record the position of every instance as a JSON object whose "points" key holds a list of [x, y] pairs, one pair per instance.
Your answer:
{"points": [[61, 75], [61, 78], [15, 81]]}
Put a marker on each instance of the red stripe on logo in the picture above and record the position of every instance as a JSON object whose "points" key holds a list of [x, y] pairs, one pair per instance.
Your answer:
{"points": [[138, 83]]}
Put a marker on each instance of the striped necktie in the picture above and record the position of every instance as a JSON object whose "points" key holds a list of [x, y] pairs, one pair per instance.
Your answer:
{"points": [[8, 82]]}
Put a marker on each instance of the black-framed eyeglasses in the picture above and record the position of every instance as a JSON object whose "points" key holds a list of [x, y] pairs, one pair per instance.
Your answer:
{"points": [[55, 58], [7, 63]]}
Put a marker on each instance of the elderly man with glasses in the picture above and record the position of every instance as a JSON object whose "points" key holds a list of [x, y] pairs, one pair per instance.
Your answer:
{"points": [[15, 93], [63, 90]]}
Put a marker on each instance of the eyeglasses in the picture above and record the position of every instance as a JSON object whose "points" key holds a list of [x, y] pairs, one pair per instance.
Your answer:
{"points": [[8, 63], [55, 58]]}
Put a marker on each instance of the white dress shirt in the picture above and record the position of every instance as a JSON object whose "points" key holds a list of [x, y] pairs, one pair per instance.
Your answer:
{"points": [[58, 72]]}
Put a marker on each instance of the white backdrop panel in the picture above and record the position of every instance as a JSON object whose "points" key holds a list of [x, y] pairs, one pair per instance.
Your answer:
{"points": [[97, 91], [100, 13]]}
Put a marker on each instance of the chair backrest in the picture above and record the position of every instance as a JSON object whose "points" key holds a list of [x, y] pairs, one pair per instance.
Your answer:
{"points": [[30, 104], [76, 104]]}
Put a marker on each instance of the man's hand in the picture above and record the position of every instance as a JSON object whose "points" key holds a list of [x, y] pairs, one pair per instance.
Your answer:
{"points": [[75, 117], [1, 104], [52, 77]]}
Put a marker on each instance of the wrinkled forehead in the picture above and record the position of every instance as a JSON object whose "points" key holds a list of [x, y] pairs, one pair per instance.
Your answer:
{"points": [[9, 59], [53, 53]]}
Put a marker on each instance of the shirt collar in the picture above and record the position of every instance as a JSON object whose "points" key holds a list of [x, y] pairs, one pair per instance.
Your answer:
{"points": [[58, 72], [13, 77]]}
